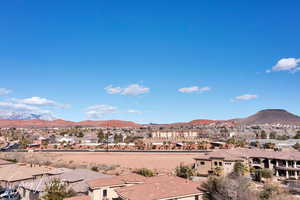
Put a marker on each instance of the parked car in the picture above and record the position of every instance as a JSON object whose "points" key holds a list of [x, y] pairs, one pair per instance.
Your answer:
{"points": [[10, 194]]}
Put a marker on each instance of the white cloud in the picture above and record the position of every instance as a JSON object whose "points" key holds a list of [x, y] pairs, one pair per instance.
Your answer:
{"points": [[286, 64], [194, 89], [9, 110], [113, 90], [99, 111], [38, 101], [204, 89], [134, 111], [245, 97], [4, 91], [133, 90]]}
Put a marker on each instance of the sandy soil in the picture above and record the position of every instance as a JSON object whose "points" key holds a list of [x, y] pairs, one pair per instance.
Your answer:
{"points": [[158, 161]]}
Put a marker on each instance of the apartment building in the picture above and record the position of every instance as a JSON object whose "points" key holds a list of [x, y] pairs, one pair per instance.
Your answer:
{"points": [[175, 134], [284, 164]]}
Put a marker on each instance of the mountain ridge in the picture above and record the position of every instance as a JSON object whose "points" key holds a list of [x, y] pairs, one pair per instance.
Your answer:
{"points": [[267, 116]]}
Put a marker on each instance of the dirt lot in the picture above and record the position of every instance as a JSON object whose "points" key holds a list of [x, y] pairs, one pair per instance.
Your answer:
{"points": [[159, 161], [162, 162]]}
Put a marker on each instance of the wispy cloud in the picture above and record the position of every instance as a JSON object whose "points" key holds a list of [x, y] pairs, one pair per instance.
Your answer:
{"points": [[39, 101], [134, 111], [245, 97], [286, 64], [99, 111], [4, 91], [193, 89], [131, 90]]}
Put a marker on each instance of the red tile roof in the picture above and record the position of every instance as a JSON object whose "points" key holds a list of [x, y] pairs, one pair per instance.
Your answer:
{"points": [[237, 154], [79, 198], [159, 188], [116, 180]]}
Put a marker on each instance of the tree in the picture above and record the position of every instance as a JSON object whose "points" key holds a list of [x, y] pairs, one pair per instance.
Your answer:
{"points": [[273, 135], [118, 138], [184, 171], [80, 134], [228, 188], [240, 169], [297, 136], [56, 190], [100, 136], [263, 134], [145, 172], [297, 146], [283, 137], [269, 145], [24, 142], [266, 173]]}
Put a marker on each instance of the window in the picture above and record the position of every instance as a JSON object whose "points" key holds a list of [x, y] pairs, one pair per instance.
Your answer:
{"points": [[202, 163], [196, 197], [216, 163], [104, 193], [220, 163]]}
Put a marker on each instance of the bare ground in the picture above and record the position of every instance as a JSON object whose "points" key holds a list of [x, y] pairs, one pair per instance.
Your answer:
{"points": [[162, 162]]}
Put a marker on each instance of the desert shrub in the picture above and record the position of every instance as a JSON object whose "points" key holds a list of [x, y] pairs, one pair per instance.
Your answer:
{"points": [[273, 191], [184, 171], [145, 172], [95, 169], [230, 187]]}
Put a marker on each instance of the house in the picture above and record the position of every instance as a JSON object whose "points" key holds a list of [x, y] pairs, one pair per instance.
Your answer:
{"points": [[162, 188], [105, 188], [284, 164], [136, 187], [75, 179], [13, 175]]}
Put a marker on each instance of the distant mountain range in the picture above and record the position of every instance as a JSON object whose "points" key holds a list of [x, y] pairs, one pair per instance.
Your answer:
{"points": [[270, 116]]}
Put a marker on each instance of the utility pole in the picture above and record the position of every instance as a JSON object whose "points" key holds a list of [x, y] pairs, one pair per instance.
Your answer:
{"points": [[107, 136]]}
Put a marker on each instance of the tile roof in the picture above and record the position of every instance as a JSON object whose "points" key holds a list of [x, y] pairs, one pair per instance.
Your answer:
{"points": [[12, 173], [237, 154], [81, 174], [117, 180], [79, 198], [160, 187], [5, 162], [77, 179], [58, 171]]}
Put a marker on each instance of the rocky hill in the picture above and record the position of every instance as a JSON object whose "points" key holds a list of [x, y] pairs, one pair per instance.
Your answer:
{"points": [[271, 116]]}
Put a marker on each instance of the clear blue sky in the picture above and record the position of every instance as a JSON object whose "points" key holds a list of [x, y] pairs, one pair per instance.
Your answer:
{"points": [[65, 53]]}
